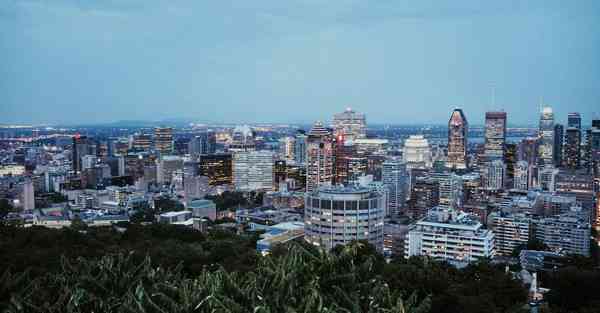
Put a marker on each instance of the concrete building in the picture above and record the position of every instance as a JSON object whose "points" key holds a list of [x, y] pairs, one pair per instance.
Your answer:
{"points": [[166, 168], [495, 135], [338, 215], [395, 179], [450, 189], [416, 152], [510, 231], [242, 139], [253, 170], [300, 148], [163, 140], [28, 195], [451, 236], [287, 148], [174, 217], [203, 209], [495, 174], [568, 233], [546, 138], [349, 125], [547, 178], [521, 177]]}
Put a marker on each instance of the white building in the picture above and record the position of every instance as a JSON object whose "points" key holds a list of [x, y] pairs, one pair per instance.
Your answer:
{"points": [[338, 215], [448, 235], [568, 233], [350, 125], [521, 176], [416, 152], [166, 168], [253, 170], [494, 175], [450, 189], [510, 231], [28, 195]]}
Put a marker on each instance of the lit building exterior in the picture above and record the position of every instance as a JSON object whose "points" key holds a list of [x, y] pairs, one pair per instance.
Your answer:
{"points": [[319, 157], [521, 179], [253, 170], [217, 167], [510, 231], [495, 174], [350, 125], [445, 234], [82, 146], [338, 215], [558, 144], [458, 128], [287, 148], [416, 152], [568, 232], [572, 155], [574, 120], [395, 179], [141, 142], [204, 143], [242, 139], [495, 135], [424, 195], [163, 140], [450, 189], [167, 166], [547, 178], [546, 137]]}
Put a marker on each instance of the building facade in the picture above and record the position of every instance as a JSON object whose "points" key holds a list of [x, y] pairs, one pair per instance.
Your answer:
{"points": [[458, 129]]}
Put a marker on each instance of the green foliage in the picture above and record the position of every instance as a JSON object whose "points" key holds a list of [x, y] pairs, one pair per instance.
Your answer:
{"points": [[301, 280], [532, 244], [573, 290], [5, 207], [228, 200]]}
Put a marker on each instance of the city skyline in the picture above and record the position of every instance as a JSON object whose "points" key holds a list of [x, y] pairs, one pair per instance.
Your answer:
{"points": [[251, 63]]}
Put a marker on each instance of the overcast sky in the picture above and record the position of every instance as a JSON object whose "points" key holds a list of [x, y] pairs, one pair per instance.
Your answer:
{"points": [[397, 61]]}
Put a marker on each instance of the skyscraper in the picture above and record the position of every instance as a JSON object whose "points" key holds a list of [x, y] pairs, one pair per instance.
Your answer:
{"points": [[287, 147], [28, 195], [300, 149], [253, 170], [319, 157], [572, 157], [574, 120], [82, 146], [521, 179], [458, 128], [558, 144], [546, 137], [163, 140], [350, 125], [416, 152], [495, 135], [395, 178]]}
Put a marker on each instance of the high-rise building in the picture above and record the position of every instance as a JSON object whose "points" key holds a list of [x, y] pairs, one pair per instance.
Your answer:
{"points": [[568, 232], [217, 167], [495, 135], [163, 140], [521, 178], [166, 168], [458, 128], [572, 156], [510, 160], [338, 215], [547, 178], [319, 157], [546, 138], [574, 120], [558, 144], [28, 195], [510, 231], [203, 143], [82, 146], [141, 142], [253, 170], [416, 152], [300, 149], [495, 175], [287, 148], [424, 195], [350, 125], [242, 139], [450, 189], [395, 179], [446, 234]]}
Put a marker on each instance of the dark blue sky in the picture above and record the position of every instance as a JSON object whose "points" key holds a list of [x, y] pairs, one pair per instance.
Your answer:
{"points": [[296, 61]]}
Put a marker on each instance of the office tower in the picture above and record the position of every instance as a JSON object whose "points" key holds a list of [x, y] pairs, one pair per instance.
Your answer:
{"points": [[457, 238], [88, 161], [166, 168], [594, 148], [336, 215], [495, 135], [242, 139], [416, 152], [558, 144], [510, 160], [82, 145], [287, 147], [510, 231], [163, 140], [547, 178], [458, 129], [568, 232], [203, 143], [450, 189], [195, 146], [300, 149], [424, 195], [546, 138], [28, 195], [395, 179], [253, 170], [343, 151], [572, 155], [349, 125], [280, 172], [574, 120], [495, 175], [319, 157], [576, 184], [521, 177], [217, 167], [141, 142]]}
